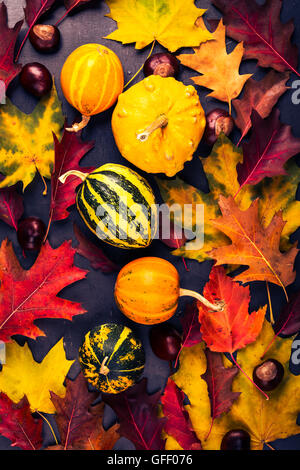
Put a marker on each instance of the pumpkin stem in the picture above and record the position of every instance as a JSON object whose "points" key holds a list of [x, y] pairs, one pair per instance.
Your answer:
{"points": [[78, 126], [77, 173], [159, 123], [104, 369], [218, 306]]}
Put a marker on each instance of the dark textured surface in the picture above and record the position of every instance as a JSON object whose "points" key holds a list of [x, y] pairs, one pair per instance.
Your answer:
{"points": [[96, 292]]}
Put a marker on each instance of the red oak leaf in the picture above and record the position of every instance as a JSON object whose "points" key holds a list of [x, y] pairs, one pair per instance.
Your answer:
{"points": [[219, 381], [265, 37], [232, 328], [68, 153], [93, 253], [260, 95], [178, 424], [27, 295], [34, 9], [269, 148], [138, 415], [11, 206], [18, 425], [79, 423], [8, 37]]}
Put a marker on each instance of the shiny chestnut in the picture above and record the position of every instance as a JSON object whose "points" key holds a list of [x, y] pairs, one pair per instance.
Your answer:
{"points": [[268, 375], [236, 439], [36, 79], [31, 232], [45, 37], [217, 121], [163, 64]]}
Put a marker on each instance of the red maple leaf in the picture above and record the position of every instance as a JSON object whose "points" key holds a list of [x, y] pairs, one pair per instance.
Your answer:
{"points": [[178, 424], [260, 95], [138, 415], [269, 148], [18, 425], [80, 423], [231, 328], [8, 37], [27, 295], [265, 37]]}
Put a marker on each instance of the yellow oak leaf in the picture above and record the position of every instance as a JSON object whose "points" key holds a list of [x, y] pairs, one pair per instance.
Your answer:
{"points": [[22, 375], [170, 22], [265, 420], [27, 140], [274, 194], [220, 70]]}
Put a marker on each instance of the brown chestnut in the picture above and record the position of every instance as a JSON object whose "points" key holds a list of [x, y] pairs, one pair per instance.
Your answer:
{"points": [[268, 375], [36, 79], [236, 439], [217, 121], [31, 233], [163, 64], [45, 37]]}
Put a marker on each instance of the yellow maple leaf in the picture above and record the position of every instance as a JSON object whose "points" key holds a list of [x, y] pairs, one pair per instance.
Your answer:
{"points": [[265, 420], [22, 375], [170, 22], [220, 70], [27, 140], [220, 169]]}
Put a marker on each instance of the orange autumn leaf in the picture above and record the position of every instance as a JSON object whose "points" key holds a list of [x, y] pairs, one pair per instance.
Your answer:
{"points": [[253, 245], [220, 70], [232, 328]]}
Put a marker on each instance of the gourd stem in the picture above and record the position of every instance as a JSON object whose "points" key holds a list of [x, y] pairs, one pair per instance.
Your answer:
{"points": [[77, 173], [218, 306], [104, 369], [160, 122], [78, 126]]}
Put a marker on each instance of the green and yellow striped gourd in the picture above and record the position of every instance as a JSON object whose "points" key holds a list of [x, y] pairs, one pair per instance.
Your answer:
{"points": [[111, 358], [117, 205]]}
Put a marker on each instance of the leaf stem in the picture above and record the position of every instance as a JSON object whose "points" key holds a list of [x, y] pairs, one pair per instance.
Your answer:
{"points": [[49, 424], [249, 378], [270, 304], [67, 12], [141, 68]]}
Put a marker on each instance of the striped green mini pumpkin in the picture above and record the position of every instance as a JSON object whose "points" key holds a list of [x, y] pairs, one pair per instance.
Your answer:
{"points": [[117, 205], [111, 358]]}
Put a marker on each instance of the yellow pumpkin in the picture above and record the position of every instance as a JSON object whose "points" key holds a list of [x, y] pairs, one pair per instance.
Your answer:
{"points": [[91, 79], [147, 291], [158, 124]]}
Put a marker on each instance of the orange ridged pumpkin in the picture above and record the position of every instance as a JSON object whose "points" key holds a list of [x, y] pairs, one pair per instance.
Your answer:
{"points": [[147, 291], [91, 79]]}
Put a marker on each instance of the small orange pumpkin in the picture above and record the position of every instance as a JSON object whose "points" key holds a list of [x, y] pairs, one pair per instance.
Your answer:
{"points": [[91, 79], [147, 291]]}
